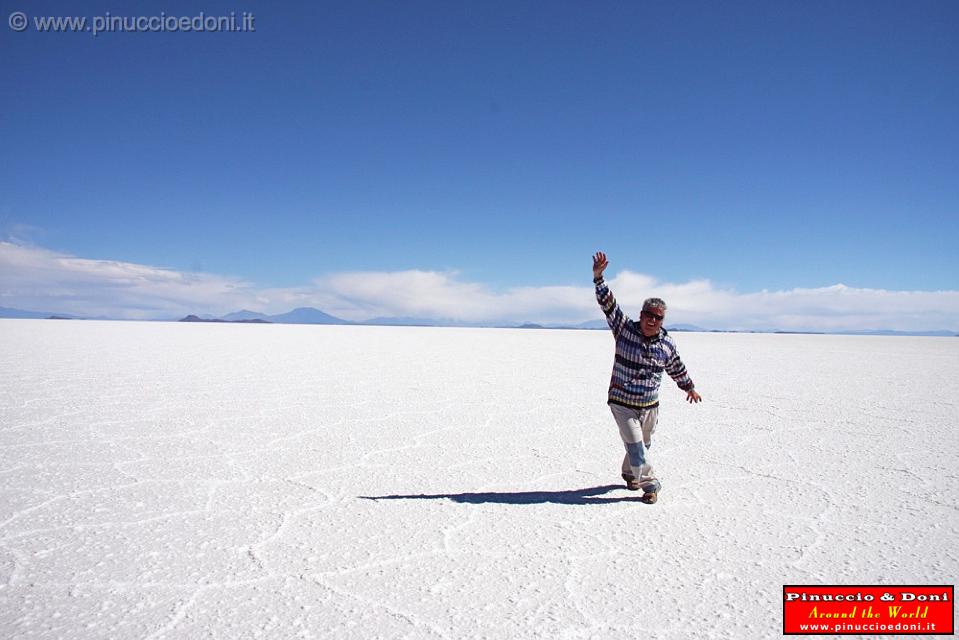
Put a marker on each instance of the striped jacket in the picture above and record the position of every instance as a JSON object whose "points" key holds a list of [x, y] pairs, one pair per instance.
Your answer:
{"points": [[640, 361]]}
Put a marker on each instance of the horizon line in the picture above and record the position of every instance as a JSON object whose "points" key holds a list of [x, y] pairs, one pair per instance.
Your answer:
{"points": [[432, 323]]}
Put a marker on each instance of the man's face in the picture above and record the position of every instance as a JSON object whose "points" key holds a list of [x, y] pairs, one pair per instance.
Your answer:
{"points": [[651, 320]]}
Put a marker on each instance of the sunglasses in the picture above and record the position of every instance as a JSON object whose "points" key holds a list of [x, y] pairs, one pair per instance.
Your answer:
{"points": [[654, 316]]}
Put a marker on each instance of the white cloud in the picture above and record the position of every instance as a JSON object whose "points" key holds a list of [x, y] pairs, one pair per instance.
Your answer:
{"points": [[836, 307], [430, 294], [38, 279]]}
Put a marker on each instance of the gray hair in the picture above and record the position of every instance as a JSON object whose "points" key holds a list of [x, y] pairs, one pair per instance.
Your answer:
{"points": [[654, 302]]}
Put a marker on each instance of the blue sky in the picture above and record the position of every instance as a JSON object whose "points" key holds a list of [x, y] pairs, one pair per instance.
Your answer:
{"points": [[491, 146]]}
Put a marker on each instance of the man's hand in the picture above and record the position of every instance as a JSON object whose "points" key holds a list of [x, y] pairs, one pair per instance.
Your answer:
{"points": [[599, 264], [693, 397]]}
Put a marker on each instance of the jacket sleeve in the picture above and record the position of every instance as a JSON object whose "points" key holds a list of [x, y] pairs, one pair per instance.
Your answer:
{"points": [[614, 315], [677, 371]]}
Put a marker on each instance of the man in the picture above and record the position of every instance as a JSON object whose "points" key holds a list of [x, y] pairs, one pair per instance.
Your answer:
{"points": [[643, 351]]}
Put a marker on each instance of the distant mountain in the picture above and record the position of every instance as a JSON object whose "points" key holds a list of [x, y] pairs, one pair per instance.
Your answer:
{"points": [[20, 313], [685, 327], [301, 315], [307, 315], [6, 312], [591, 324], [245, 314], [192, 318]]}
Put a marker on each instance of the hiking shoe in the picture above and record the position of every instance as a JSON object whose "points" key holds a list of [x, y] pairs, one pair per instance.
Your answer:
{"points": [[631, 482], [651, 491]]}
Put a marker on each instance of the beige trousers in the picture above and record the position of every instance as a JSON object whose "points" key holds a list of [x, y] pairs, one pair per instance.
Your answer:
{"points": [[636, 428]]}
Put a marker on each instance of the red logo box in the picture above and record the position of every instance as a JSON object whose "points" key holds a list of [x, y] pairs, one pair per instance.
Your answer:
{"points": [[873, 610]]}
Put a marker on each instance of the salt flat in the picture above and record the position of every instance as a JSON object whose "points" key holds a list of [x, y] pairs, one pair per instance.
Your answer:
{"points": [[164, 480]]}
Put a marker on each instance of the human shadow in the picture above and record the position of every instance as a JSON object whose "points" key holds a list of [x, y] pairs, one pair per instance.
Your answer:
{"points": [[587, 496]]}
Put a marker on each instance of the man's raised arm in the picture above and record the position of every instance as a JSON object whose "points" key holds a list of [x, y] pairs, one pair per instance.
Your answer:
{"points": [[614, 315]]}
